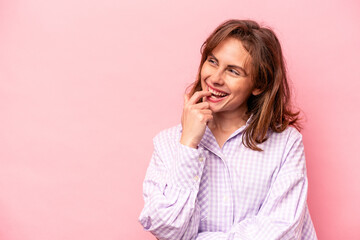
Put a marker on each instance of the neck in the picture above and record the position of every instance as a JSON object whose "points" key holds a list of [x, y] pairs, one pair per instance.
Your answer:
{"points": [[228, 122]]}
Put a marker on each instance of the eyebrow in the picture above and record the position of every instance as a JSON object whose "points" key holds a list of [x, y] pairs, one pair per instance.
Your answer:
{"points": [[231, 66]]}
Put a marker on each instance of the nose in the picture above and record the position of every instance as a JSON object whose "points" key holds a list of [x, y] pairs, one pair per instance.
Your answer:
{"points": [[217, 77]]}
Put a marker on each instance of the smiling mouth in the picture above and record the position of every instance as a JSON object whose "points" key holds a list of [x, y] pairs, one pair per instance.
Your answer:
{"points": [[216, 95]]}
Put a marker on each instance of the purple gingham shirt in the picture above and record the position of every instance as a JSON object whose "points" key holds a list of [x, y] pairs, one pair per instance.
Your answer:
{"points": [[227, 193]]}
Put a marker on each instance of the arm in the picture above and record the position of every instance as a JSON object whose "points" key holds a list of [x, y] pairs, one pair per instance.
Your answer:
{"points": [[170, 188], [173, 177], [281, 216]]}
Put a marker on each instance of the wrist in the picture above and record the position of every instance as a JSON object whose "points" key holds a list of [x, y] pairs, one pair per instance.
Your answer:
{"points": [[189, 143]]}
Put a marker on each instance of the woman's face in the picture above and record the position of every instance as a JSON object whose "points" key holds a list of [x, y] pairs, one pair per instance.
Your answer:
{"points": [[227, 76]]}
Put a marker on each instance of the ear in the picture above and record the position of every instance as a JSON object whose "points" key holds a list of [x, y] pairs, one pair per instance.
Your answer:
{"points": [[256, 91]]}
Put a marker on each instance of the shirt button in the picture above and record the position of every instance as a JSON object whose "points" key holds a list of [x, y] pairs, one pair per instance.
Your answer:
{"points": [[201, 159], [196, 178]]}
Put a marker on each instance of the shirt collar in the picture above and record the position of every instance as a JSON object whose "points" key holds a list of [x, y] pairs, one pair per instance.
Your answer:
{"points": [[208, 141]]}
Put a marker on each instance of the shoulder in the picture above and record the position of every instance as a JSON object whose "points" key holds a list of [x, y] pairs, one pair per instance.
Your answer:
{"points": [[282, 142], [290, 134], [291, 145]]}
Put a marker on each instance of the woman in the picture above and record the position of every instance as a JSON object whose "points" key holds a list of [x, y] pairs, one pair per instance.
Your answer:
{"points": [[234, 168]]}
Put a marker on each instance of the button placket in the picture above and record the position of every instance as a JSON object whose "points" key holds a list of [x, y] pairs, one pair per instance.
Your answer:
{"points": [[201, 160]]}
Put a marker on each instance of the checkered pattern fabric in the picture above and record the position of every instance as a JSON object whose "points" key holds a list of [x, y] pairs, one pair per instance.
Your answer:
{"points": [[227, 193]]}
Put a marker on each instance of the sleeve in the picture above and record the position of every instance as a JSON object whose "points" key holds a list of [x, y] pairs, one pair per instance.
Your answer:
{"points": [[282, 214], [170, 189]]}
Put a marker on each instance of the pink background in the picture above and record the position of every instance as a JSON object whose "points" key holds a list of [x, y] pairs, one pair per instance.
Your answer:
{"points": [[85, 85]]}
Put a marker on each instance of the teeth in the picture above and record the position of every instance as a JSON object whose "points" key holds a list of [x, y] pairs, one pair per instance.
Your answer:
{"points": [[217, 93]]}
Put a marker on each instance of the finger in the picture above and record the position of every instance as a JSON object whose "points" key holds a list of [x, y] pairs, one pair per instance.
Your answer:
{"points": [[201, 105], [206, 118], [206, 111], [197, 96]]}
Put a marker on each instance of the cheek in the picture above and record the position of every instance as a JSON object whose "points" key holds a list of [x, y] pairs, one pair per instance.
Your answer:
{"points": [[203, 76], [241, 91], [205, 71], [203, 84]]}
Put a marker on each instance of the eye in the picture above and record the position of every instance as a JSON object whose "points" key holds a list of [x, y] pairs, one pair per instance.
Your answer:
{"points": [[233, 71], [212, 61]]}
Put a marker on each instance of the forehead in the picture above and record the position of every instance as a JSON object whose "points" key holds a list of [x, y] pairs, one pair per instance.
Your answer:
{"points": [[231, 51]]}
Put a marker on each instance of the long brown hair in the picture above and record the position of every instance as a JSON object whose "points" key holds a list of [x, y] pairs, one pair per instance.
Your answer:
{"points": [[271, 108]]}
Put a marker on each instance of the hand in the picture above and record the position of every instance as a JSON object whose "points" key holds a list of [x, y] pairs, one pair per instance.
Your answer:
{"points": [[194, 118]]}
